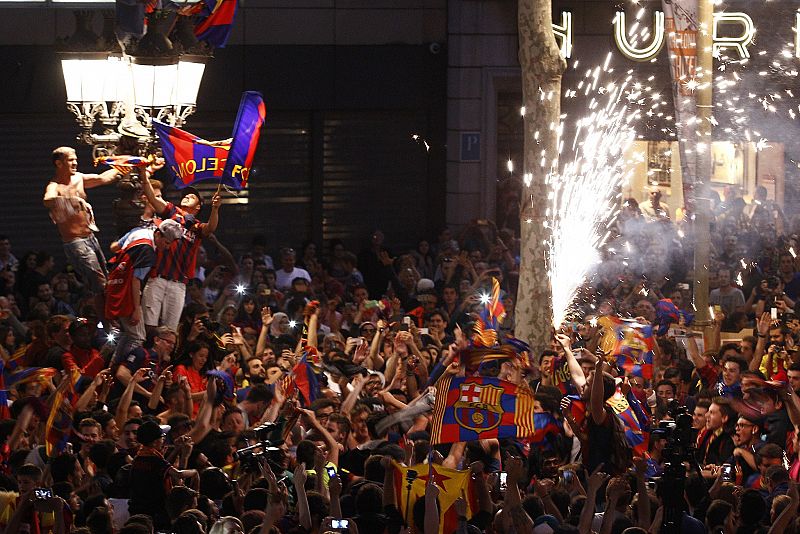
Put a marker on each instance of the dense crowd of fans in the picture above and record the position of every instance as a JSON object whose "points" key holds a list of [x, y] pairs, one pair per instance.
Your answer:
{"points": [[334, 356]]}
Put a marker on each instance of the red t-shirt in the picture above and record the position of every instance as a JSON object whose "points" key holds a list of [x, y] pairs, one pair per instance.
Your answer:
{"points": [[197, 383]]}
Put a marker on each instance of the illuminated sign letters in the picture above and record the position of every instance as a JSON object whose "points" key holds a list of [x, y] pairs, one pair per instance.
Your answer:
{"points": [[639, 54], [646, 52], [739, 43]]}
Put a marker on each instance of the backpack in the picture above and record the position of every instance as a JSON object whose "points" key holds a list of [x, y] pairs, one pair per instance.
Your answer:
{"points": [[119, 300]]}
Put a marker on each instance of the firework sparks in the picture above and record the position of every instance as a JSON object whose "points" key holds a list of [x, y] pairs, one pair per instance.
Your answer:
{"points": [[582, 194]]}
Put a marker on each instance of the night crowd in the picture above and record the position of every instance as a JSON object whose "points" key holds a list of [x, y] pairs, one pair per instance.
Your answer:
{"points": [[179, 388]]}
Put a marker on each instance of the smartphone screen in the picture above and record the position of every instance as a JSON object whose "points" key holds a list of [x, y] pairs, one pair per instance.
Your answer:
{"points": [[503, 481], [340, 523]]}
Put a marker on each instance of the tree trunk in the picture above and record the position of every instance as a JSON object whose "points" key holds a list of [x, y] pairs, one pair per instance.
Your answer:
{"points": [[542, 67]]}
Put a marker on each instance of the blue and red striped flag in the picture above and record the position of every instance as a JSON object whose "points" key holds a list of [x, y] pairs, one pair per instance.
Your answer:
{"points": [[246, 132], [59, 425], [635, 435], [217, 22], [12, 374], [478, 407], [545, 425], [190, 158], [193, 159]]}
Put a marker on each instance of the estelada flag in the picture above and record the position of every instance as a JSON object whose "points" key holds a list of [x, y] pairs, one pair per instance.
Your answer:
{"points": [[193, 159], [478, 407], [452, 485], [629, 345], [216, 22]]}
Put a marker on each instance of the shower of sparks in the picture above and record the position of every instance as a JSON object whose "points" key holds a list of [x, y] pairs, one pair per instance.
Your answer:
{"points": [[582, 199]]}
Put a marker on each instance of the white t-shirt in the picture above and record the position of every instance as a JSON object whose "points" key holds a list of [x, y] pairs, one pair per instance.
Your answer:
{"points": [[283, 280]]}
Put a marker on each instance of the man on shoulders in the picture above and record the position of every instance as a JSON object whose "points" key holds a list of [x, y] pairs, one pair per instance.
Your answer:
{"points": [[165, 292], [65, 198]]}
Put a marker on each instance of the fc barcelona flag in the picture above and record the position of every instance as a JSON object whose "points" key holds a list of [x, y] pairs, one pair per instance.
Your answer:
{"points": [[215, 27], [636, 436], [452, 485], [59, 424], [190, 158], [193, 159], [629, 344], [477, 407], [246, 131]]}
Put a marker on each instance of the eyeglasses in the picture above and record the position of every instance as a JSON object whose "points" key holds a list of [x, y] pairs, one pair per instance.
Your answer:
{"points": [[744, 425]]}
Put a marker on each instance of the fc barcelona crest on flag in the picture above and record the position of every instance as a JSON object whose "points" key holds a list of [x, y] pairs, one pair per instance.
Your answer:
{"points": [[478, 407]]}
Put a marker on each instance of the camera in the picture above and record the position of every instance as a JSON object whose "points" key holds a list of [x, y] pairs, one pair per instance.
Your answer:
{"points": [[264, 431], [680, 449], [251, 456], [208, 324], [567, 477]]}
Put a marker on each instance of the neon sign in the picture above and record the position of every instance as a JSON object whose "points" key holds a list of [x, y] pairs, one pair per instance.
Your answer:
{"points": [[647, 52]]}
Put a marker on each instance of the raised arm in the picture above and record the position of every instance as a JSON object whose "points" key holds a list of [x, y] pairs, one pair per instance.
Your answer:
{"points": [[203, 423], [155, 395], [88, 395], [643, 507], [313, 324], [333, 445], [596, 401], [351, 399], [159, 204], [763, 325], [96, 180], [575, 371], [213, 220], [302, 501], [594, 484], [431, 524], [121, 414], [521, 520]]}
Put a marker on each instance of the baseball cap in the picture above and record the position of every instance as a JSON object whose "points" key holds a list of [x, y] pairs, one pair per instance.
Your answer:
{"points": [[192, 191], [170, 229], [425, 284], [148, 432], [78, 322]]}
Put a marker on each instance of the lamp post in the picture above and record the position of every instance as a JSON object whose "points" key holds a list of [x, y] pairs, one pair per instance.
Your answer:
{"points": [[702, 231], [115, 95]]}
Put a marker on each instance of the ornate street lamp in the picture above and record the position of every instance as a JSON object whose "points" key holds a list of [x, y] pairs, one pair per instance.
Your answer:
{"points": [[106, 88], [115, 94]]}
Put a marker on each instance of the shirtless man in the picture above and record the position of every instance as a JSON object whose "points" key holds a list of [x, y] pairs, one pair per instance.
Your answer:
{"points": [[65, 197]]}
